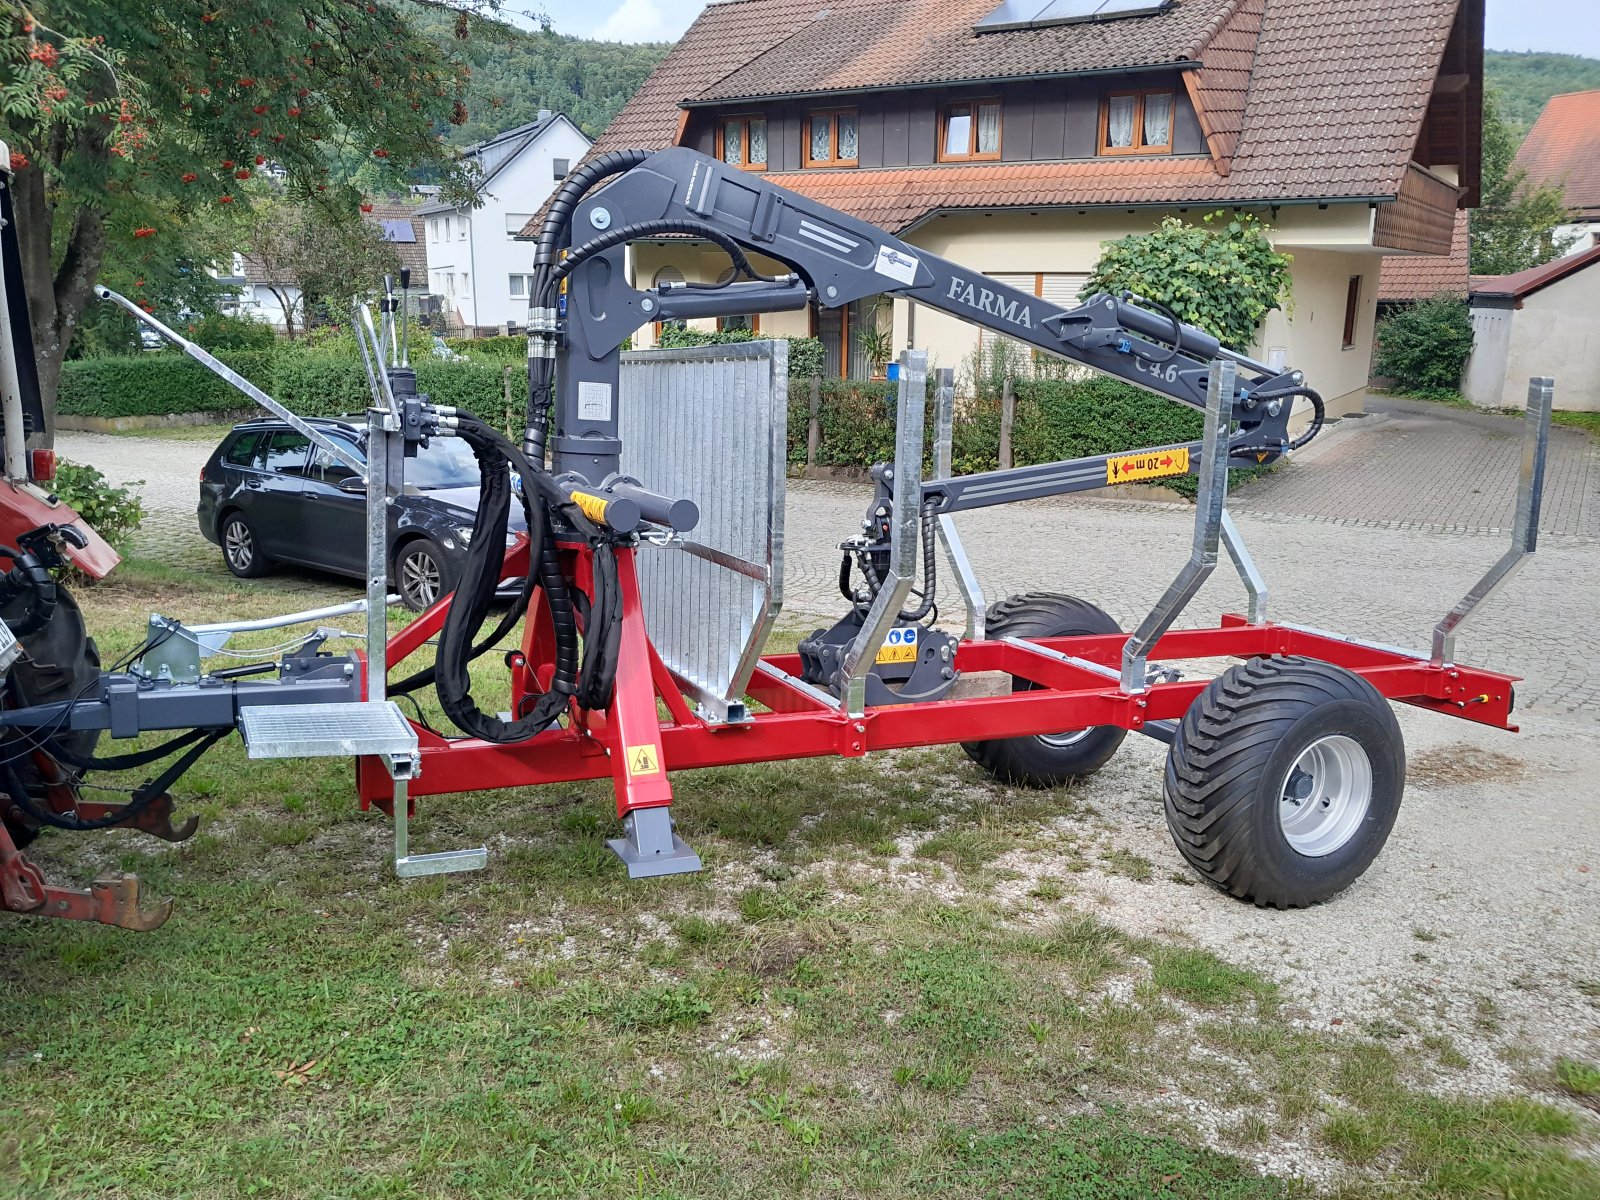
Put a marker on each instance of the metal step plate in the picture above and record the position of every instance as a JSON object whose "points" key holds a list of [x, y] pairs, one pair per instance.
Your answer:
{"points": [[326, 730]]}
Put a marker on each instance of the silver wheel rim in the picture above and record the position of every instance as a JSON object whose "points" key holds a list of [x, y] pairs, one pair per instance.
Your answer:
{"points": [[419, 577], [1325, 796], [236, 544], [1060, 741]]}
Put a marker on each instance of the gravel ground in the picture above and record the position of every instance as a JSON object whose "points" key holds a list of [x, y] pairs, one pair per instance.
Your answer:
{"points": [[1478, 921]]}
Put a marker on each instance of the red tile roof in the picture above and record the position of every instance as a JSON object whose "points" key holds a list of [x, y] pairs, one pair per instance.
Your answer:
{"points": [[1409, 277], [1525, 283], [1564, 147], [846, 45], [1312, 104], [413, 254], [895, 198]]}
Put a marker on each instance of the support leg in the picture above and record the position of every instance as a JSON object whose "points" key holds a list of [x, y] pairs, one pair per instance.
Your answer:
{"points": [[644, 796]]}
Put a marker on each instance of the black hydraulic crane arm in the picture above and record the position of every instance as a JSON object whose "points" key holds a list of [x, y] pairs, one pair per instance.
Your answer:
{"points": [[836, 259]]}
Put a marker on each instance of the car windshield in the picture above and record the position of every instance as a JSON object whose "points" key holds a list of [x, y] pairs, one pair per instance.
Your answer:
{"points": [[445, 462]]}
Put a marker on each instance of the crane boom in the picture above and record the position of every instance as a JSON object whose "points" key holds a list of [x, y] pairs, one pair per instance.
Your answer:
{"points": [[837, 259]]}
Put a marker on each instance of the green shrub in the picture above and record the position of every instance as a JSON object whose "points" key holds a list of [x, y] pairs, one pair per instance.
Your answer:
{"points": [[1424, 347], [156, 384], [805, 354], [513, 346], [113, 512], [218, 332], [1221, 275], [319, 384]]}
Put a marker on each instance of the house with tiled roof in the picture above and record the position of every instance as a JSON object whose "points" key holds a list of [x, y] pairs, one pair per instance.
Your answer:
{"points": [[474, 263], [1017, 137], [1407, 278], [1564, 147], [1542, 321]]}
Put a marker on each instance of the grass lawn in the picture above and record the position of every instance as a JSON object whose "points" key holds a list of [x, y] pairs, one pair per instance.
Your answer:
{"points": [[860, 996]]}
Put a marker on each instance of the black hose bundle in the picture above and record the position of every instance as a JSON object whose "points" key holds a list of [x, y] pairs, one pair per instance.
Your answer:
{"points": [[590, 683]]}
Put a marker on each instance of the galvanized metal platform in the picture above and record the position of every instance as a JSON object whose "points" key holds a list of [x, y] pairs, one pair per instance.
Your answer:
{"points": [[327, 730]]}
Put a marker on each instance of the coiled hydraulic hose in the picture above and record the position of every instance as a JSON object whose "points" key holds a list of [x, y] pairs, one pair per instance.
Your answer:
{"points": [[590, 683]]}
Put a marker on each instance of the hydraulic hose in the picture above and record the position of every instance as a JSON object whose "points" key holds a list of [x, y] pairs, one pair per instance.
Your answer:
{"points": [[1318, 419], [590, 683], [650, 229]]}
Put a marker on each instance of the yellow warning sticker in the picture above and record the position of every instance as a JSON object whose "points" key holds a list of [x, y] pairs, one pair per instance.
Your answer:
{"points": [[593, 506], [642, 760], [899, 647], [1154, 464]]}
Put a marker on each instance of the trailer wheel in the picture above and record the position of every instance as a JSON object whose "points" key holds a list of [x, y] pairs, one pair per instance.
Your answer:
{"points": [[241, 549], [1050, 759], [1284, 780]]}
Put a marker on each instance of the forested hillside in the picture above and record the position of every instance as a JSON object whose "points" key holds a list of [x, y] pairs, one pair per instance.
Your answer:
{"points": [[515, 73], [1526, 80]]}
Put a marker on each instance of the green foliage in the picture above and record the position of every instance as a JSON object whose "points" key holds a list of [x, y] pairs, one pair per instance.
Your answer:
{"points": [[157, 383], [115, 513], [1526, 81], [1221, 275], [132, 122], [805, 354], [515, 73], [1424, 347], [805, 357], [1513, 228], [218, 332], [316, 383], [491, 347]]}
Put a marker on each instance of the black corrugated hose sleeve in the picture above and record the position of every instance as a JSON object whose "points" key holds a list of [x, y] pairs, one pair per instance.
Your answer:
{"points": [[650, 229], [479, 580], [573, 190]]}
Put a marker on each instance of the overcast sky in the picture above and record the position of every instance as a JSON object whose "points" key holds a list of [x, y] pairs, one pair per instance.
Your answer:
{"points": [[1567, 26]]}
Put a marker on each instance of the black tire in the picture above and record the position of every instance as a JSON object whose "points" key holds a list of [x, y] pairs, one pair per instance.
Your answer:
{"points": [[423, 573], [241, 549], [1239, 794], [22, 836], [1047, 761]]}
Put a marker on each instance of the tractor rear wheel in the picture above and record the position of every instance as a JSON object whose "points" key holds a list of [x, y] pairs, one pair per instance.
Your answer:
{"points": [[1047, 759], [1284, 780]]}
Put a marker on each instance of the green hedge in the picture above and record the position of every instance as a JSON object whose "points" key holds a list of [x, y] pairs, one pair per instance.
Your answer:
{"points": [[1055, 419], [154, 384], [312, 382]]}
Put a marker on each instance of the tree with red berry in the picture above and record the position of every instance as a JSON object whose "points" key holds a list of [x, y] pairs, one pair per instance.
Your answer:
{"points": [[126, 118]]}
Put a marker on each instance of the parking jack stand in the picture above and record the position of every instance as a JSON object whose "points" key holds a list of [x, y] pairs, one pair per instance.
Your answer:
{"points": [[648, 846]]}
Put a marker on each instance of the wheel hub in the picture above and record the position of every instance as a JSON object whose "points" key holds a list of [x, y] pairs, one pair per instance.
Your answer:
{"points": [[1325, 796]]}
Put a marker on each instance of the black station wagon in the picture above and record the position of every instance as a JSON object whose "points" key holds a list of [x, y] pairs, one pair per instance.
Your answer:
{"points": [[267, 495]]}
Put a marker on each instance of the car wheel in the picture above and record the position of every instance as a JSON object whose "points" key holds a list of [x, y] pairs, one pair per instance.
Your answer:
{"points": [[240, 548], [422, 574]]}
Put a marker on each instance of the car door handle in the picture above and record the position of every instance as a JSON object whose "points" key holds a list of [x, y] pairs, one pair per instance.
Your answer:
{"points": [[253, 484]]}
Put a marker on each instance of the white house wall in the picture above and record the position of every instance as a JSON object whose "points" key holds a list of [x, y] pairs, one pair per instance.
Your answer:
{"points": [[481, 251], [1556, 332]]}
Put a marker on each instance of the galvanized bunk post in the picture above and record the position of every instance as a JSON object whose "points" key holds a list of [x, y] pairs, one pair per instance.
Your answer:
{"points": [[907, 493], [385, 449], [944, 409], [1208, 520], [1525, 527]]}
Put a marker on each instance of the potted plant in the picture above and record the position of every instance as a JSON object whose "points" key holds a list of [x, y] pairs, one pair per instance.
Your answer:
{"points": [[877, 347]]}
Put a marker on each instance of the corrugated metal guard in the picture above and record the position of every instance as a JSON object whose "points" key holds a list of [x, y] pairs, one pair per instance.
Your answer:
{"points": [[710, 424]]}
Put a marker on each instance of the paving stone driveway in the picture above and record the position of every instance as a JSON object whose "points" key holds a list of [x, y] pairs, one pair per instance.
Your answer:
{"points": [[1377, 532]]}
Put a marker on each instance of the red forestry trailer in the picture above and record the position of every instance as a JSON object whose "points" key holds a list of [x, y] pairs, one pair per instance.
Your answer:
{"points": [[653, 485]]}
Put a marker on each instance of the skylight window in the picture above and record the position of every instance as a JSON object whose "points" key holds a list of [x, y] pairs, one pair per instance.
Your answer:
{"points": [[1035, 14]]}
